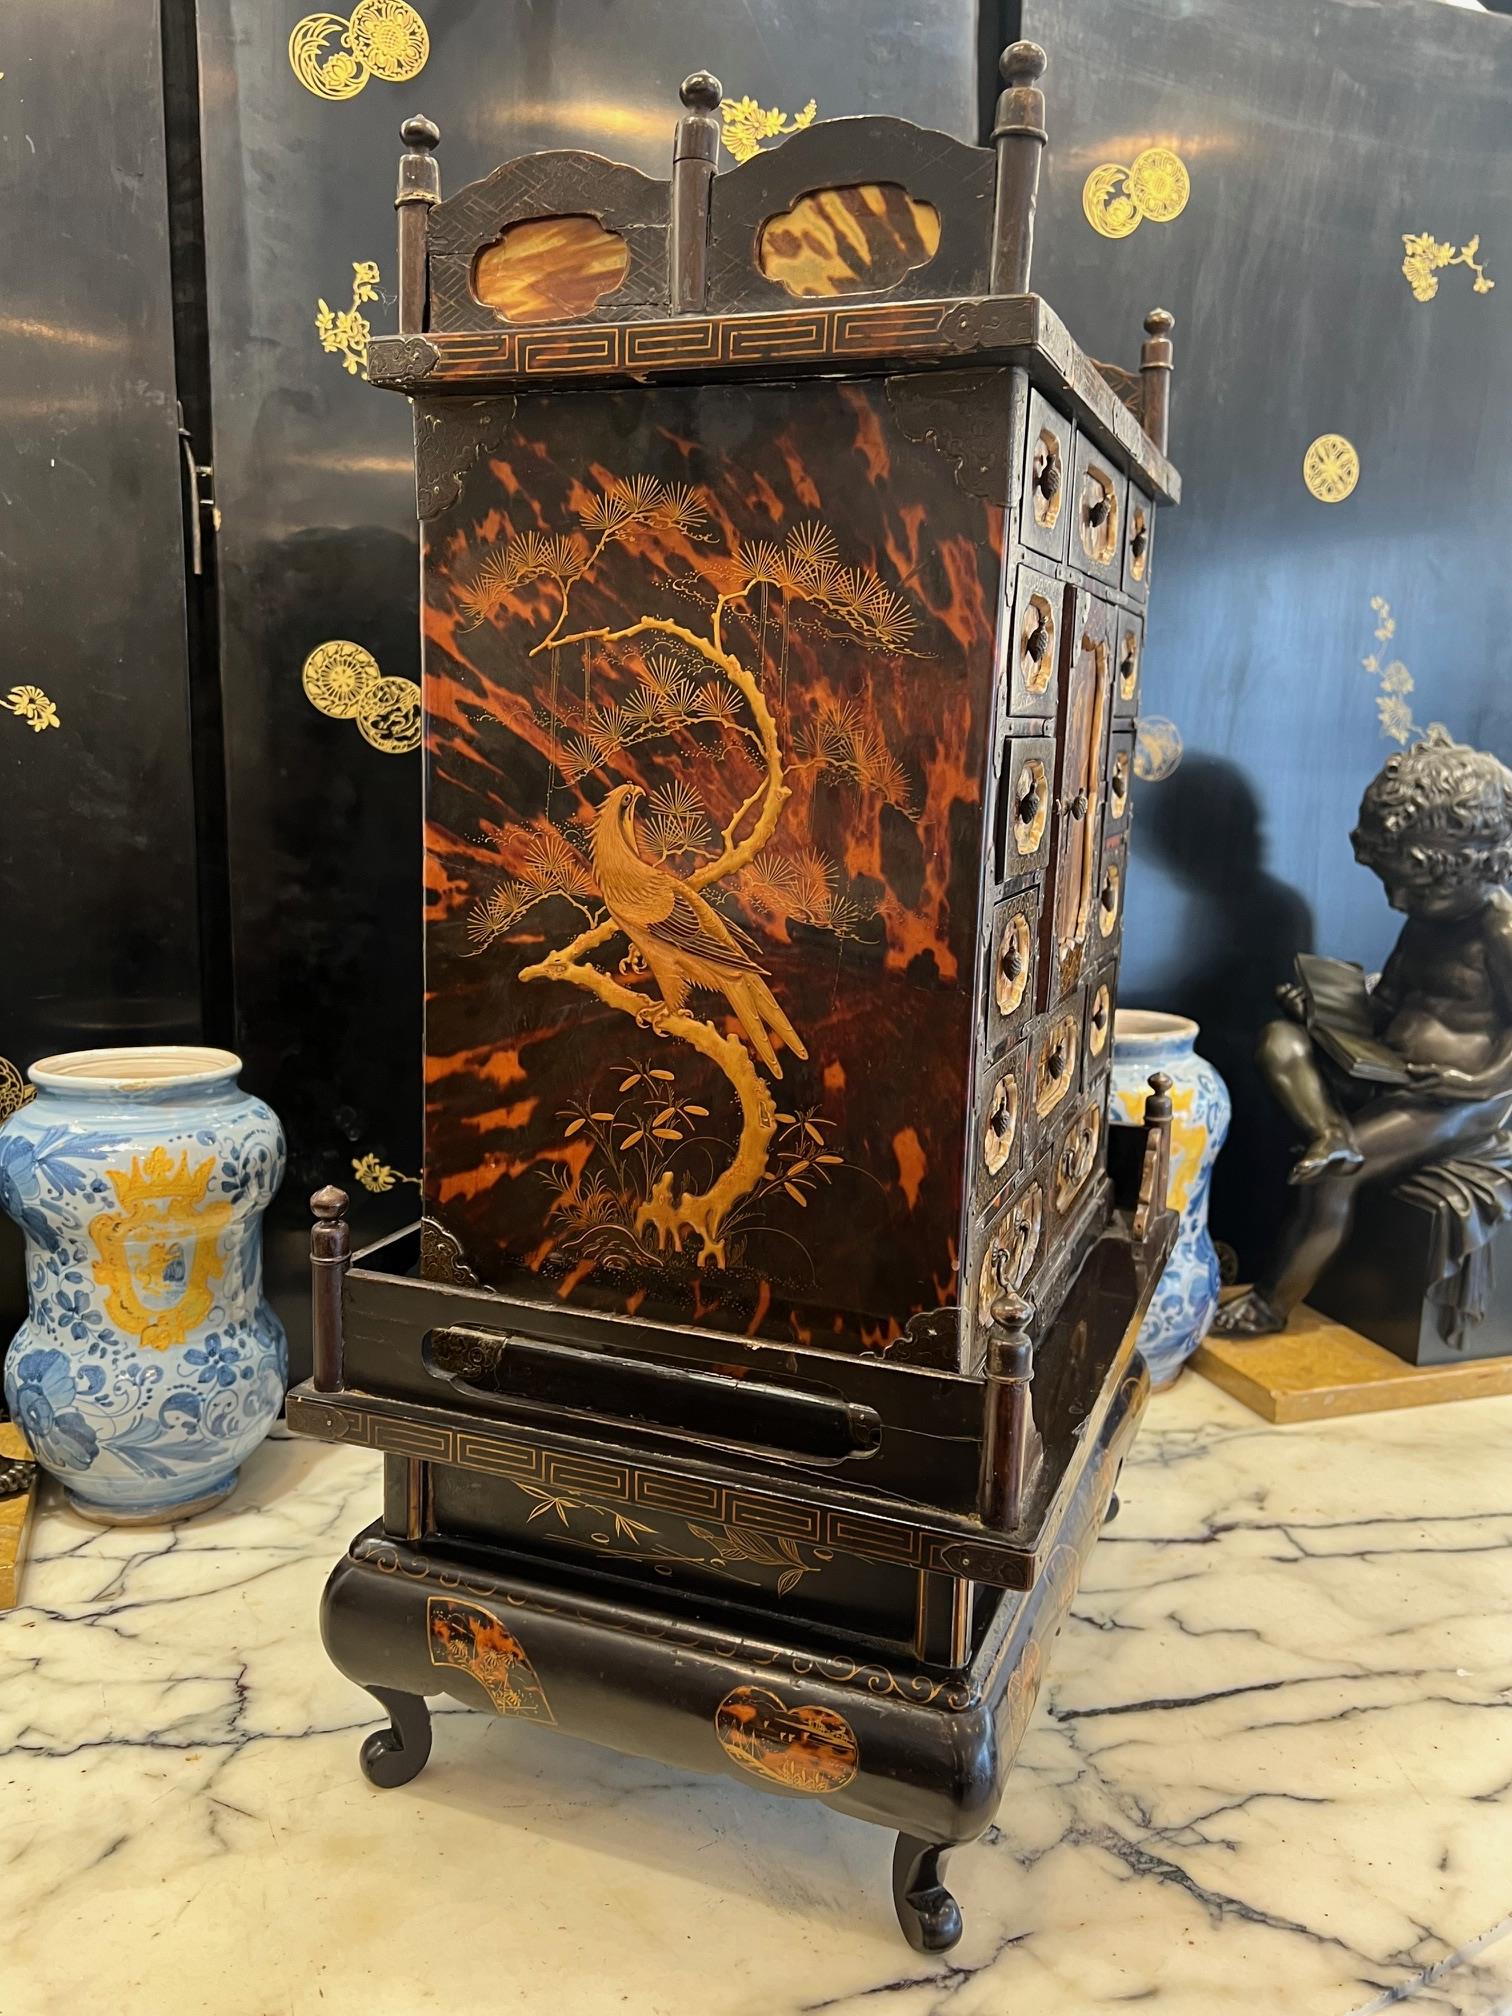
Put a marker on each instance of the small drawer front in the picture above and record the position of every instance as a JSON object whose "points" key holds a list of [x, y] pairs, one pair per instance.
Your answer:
{"points": [[1010, 1242], [1047, 501], [1002, 1125], [1099, 500], [1034, 642], [1022, 814], [1101, 995], [1120, 798], [1127, 633], [1012, 953], [1075, 1156], [1055, 1060], [1138, 532], [1110, 898]]}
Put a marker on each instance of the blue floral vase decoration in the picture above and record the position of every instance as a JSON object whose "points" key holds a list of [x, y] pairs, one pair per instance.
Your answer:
{"points": [[1179, 1316], [150, 1364]]}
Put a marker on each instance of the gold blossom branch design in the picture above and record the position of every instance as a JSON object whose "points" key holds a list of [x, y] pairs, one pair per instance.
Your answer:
{"points": [[805, 568], [346, 332], [31, 705], [1424, 257], [747, 127], [1394, 680], [379, 1176]]}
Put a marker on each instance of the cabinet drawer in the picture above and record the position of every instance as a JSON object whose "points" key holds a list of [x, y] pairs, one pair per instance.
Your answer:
{"points": [[1034, 642], [1110, 893], [1046, 503], [1128, 647], [1098, 502], [1120, 780], [1012, 956], [1010, 1242], [1002, 1127], [1138, 533], [1021, 815], [1101, 993]]}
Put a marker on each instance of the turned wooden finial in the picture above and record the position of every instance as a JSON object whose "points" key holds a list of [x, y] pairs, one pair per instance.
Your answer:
{"points": [[330, 1252], [1155, 364], [419, 189], [695, 158], [329, 1202], [1158, 1105], [1010, 1442], [1019, 136]]}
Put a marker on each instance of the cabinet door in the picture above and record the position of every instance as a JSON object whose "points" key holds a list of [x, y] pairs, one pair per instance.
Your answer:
{"points": [[1085, 691]]}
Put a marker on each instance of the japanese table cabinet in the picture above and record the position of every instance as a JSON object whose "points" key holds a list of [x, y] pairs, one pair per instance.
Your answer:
{"points": [[758, 1376]]}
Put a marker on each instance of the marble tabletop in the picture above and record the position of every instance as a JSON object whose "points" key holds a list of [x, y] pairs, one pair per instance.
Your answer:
{"points": [[1271, 1772]]}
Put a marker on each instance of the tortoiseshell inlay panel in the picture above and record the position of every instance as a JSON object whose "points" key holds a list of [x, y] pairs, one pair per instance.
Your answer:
{"points": [[707, 682]]}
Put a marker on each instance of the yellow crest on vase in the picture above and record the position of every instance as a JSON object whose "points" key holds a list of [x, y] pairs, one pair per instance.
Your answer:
{"points": [[159, 1250]]}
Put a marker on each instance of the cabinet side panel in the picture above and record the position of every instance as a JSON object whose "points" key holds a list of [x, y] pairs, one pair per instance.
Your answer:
{"points": [[707, 675]]}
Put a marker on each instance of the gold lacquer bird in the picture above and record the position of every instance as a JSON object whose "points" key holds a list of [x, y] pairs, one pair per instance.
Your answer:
{"points": [[683, 940]]}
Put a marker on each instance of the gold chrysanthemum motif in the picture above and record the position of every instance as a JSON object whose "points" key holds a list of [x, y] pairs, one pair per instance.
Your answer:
{"points": [[337, 675], [746, 126], [1331, 468], [31, 705], [1159, 184], [329, 73], [390, 38], [1106, 202], [388, 714]]}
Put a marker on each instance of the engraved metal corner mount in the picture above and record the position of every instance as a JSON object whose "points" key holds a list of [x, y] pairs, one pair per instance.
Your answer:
{"points": [[450, 435]]}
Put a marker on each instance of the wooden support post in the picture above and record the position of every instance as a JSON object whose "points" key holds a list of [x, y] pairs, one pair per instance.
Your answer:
{"points": [[419, 188], [1155, 362], [695, 160], [1155, 1174], [1019, 136], [1010, 1442], [330, 1254]]}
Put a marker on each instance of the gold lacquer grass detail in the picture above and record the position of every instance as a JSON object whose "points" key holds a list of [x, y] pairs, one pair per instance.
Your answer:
{"points": [[346, 332], [747, 127], [159, 1250], [334, 56], [1424, 257]]}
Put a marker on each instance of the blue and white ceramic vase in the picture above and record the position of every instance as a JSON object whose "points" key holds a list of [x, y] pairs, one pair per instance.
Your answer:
{"points": [[1184, 1303], [150, 1364]]}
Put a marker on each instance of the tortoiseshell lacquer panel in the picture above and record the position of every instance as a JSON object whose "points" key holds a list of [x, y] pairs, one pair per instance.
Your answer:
{"points": [[707, 679]]}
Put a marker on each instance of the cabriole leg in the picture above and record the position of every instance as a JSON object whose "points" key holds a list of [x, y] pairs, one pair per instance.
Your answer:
{"points": [[929, 1915], [394, 1755]]}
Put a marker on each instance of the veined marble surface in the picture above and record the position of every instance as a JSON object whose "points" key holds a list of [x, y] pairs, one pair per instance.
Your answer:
{"points": [[1271, 1772]]}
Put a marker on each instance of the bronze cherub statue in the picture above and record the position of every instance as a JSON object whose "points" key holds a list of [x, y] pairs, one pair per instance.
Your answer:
{"points": [[1416, 1068]]}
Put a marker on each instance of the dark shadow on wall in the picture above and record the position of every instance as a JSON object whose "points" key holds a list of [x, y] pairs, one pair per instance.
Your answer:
{"points": [[1242, 930]]}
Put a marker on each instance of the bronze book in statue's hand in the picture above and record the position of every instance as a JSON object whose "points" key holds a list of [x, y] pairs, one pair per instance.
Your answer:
{"points": [[1336, 1009]]}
